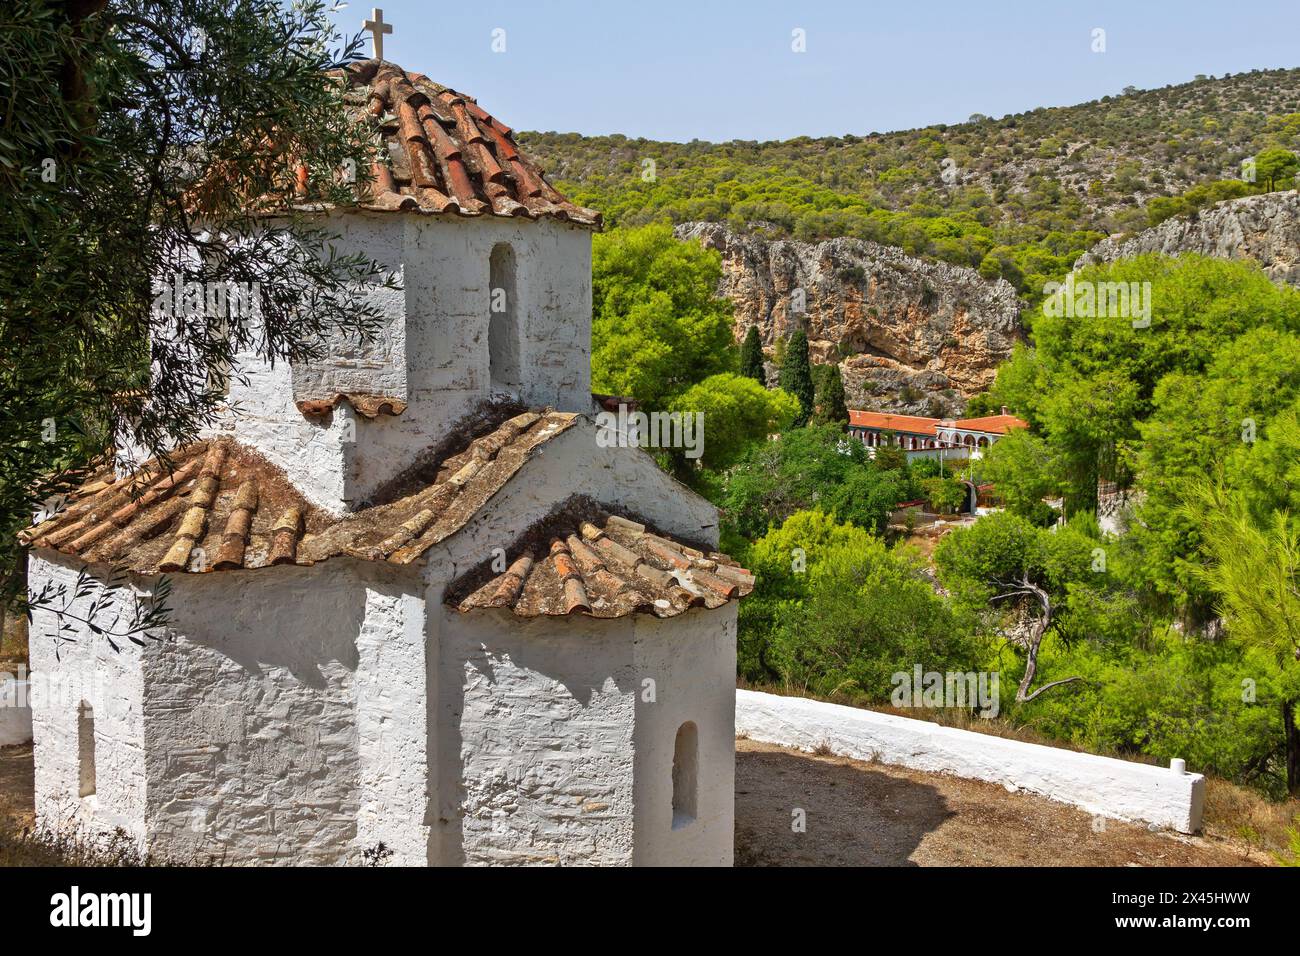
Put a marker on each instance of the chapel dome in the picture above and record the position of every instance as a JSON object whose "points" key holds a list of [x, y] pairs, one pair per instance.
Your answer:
{"points": [[446, 154]]}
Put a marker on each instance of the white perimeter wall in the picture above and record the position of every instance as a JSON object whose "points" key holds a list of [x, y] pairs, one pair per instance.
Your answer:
{"points": [[15, 712], [1100, 785]]}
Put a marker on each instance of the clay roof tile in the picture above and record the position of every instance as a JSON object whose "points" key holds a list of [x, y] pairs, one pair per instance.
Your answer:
{"points": [[447, 154], [225, 507], [588, 572]]}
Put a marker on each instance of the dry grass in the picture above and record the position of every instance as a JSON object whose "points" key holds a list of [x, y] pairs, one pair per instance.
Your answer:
{"points": [[22, 844], [30, 847], [1235, 812]]}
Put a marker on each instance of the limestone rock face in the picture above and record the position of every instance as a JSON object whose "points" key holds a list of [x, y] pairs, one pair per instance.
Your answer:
{"points": [[910, 336], [1265, 228]]}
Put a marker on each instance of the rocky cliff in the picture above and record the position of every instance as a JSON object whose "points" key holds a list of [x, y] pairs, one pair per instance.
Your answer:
{"points": [[909, 336], [1265, 228]]}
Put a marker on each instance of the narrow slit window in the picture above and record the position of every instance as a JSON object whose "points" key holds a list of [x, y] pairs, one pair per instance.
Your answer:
{"points": [[504, 364], [86, 750], [686, 756]]}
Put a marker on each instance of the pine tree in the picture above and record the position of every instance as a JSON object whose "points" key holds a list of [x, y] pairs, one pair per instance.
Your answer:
{"points": [[796, 376], [829, 392], [751, 357]]}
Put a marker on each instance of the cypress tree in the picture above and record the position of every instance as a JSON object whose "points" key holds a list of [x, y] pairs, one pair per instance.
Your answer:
{"points": [[751, 357], [796, 376], [831, 408]]}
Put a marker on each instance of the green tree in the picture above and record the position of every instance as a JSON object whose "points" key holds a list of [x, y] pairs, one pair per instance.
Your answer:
{"points": [[657, 325], [840, 613], [1212, 423], [1039, 582], [1255, 572], [817, 467], [869, 496], [945, 495], [890, 455], [828, 391], [751, 357], [1023, 470], [1090, 379], [737, 412], [135, 139], [1276, 168], [796, 376]]}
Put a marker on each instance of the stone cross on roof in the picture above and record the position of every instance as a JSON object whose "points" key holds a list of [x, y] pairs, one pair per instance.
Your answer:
{"points": [[378, 27]]}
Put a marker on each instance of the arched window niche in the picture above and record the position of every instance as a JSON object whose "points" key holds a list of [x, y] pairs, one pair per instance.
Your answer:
{"points": [[686, 773], [504, 360]]}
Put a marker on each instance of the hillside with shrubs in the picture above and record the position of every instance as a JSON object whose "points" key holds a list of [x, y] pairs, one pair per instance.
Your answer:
{"points": [[1018, 197]]}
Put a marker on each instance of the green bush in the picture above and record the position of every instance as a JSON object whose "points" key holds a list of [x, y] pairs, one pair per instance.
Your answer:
{"points": [[843, 612]]}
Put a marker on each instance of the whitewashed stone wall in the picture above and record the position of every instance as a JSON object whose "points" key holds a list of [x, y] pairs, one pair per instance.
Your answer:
{"points": [[393, 726], [573, 463], [1103, 786], [535, 725], [431, 351], [262, 414], [243, 735], [303, 715], [692, 661], [250, 719], [562, 685], [376, 365], [70, 669], [556, 738]]}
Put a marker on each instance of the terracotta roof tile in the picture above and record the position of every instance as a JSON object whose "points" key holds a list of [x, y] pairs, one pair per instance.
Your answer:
{"points": [[917, 425], [605, 566], [366, 405], [993, 424], [912, 424], [223, 507], [446, 154]]}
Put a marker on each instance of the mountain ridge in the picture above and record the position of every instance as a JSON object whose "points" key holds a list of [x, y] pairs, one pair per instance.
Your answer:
{"points": [[1019, 198], [910, 336]]}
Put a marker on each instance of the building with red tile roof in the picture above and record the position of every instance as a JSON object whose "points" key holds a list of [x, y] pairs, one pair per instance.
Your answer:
{"points": [[922, 435], [418, 594]]}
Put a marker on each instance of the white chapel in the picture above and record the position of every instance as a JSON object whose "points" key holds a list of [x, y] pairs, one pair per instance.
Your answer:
{"points": [[415, 601]]}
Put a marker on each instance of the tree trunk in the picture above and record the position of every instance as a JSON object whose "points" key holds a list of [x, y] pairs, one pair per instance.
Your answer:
{"points": [[1031, 667], [1292, 747]]}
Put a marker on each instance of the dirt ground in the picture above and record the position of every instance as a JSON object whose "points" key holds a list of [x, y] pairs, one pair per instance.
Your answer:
{"points": [[861, 814], [16, 800]]}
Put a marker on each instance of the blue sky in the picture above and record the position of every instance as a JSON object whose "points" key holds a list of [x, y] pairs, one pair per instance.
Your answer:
{"points": [[717, 70]]}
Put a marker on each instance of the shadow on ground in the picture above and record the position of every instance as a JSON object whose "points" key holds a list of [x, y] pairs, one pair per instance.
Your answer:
{"points": [[854, 815], [861, 814]]}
